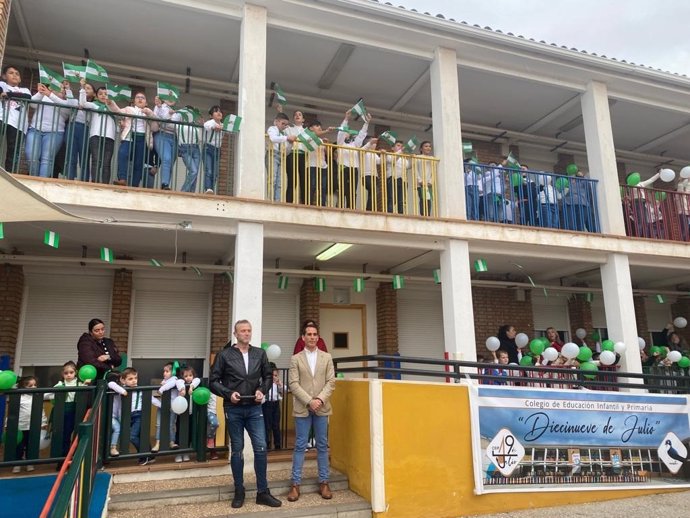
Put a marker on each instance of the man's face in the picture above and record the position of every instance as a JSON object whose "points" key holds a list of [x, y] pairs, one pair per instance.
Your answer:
{"points": [[310, 337], [243, 333], [130, 380]]}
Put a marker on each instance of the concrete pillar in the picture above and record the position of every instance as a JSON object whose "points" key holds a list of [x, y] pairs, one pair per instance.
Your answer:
{"points": [[620, 310], [445, 111], [601, 157], [456, 289], [251, 105], [248, 281]]}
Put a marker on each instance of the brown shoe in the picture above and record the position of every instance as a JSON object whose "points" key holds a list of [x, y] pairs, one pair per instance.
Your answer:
{"points": [[325, 491], [120, 182], [293, 495]]}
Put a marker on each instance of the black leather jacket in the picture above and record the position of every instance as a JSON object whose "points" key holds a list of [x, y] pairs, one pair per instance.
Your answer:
{"points": [[229, 375]]}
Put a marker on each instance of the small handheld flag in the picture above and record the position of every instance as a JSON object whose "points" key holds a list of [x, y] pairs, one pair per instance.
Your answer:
{"points": [[480, 265], [280, 95], [189, 113], [437, 276], [51, 238], [358, 285], [389, 137], [359, 108], [156, 263], [319, 284], [411, 145], [467, 147], [398, 282], [73, 73], [283, 282], [107, 255], [49, 77], [232, 123], [310, 139], [512, 161], [347, 130], [95, 72], [119, 93], [167, 92], [660, 299]]}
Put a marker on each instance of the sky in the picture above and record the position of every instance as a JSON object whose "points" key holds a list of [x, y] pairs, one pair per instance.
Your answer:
{"points": [[652, 33]]}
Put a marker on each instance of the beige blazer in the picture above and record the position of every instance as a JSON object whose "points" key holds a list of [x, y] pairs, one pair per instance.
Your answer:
{"points": [[305, 387]]}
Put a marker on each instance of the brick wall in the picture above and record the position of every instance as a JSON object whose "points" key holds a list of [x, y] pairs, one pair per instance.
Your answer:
{"points": [[386, 318], [580, 314], [309, 301], [681, 308], [121, 309], [226, 171], [4, 21], [487, 151], [494, 307], [641, 317], [563, 160], [11, 294], [220, 312]]}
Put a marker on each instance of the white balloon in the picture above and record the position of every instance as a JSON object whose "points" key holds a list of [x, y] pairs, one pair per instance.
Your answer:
{"points": [[619, 347], [580, 333], [179, 405], [641, 342], [607, 358], [521, 340], [550, 353], [493, 343], [685, 172], [273, 352], [680, 322], [667, 175], [44, 441], [674, 356], [570, 350]]}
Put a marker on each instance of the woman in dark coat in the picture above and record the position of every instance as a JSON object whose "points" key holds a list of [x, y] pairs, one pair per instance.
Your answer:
{"points": [[97, 350], [506, 334]]}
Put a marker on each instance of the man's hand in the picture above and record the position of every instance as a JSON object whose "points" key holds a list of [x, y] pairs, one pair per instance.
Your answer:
{"points": [[235, 397], [315, 404], [258, 396]]}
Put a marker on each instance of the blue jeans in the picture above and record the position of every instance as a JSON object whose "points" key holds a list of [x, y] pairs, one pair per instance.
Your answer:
{"points": [[472, 202], [165, 145], [41, 148], [211, 164], [115, 436], [212, 425], [77, 150], [131, 158], [237, 419], [494, 208], [548, 215], [135, 429], [191, 156], [172, 425], [277, 174], [302, 427]]}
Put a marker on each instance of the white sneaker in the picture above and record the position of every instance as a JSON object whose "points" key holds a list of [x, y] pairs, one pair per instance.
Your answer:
{"points": [[178, 458], [16, 469], [209, 191], [185, 458], [30, 468]]}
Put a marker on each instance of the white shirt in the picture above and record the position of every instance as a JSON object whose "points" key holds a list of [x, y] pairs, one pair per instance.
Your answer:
{"points": [[370, 160], [295, 131], [311, 359], [186, 134], [102, 123], [245, 357], [212, 137], [164, 112], [317, 158], [277, 138], [396, 165], [47, 118], [16, 111], [347, 158]]}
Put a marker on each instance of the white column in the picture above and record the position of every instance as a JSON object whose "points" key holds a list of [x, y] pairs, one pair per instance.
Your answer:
{"points": [[601, 156], [248, 277], [445, 112], [620, 310], [250, 180], [456, 289]]}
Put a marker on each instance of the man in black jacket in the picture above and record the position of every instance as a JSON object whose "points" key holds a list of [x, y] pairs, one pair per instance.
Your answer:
{"points": [[241, 375]]}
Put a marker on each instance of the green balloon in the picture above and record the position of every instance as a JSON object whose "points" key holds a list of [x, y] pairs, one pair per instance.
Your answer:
{"points": [[536, 347], [662, 351], [585, 354], [562, 184], [653, 350], [526, 361], [7, 379], [265, 345], [87, 372], [589, 367], [515, 179], [544, 341], [340, 375], [20, 436], [660, 196], [596, 336], [684, 362], [571, 169], [607, 345], [201, 395], [633, 179]]}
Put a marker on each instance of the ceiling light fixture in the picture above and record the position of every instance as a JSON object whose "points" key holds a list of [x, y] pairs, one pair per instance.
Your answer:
{"points": [[332, 251]]}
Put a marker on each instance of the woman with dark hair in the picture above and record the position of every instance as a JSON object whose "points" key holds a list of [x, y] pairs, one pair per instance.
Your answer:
{"points": [[97, 350], [506, 334], [299, 345], [676, 342]]}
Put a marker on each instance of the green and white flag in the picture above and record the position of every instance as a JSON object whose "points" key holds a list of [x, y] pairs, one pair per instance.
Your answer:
{"points": [[229, 276], [512, 161], [119, 93], [280, 95], [437, 276], [467, 147], [389, 137], [310, 139], [232, 123], [73, 73], [51, 238], [347, 130], [107, 255], [359, 108], [660, 299], [283, 282], [189, 113], [167, 92], [358, 285], [480, 265], [49, 78], [95, 72], [156, 263], [589, 297], [398, 282], [411, 145], [197, 271], [319, 284], [101, 107], [2, 230]]}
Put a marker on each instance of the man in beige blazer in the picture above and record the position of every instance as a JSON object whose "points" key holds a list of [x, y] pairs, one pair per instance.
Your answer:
{"points": [[312, 381]]}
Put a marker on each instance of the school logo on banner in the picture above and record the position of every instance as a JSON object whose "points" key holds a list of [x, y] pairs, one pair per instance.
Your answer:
{"points": [[673, 452], [505, 452]]}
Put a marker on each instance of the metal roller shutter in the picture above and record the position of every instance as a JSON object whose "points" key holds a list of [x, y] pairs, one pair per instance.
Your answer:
{"points": [[281, 322], [551, 311]]}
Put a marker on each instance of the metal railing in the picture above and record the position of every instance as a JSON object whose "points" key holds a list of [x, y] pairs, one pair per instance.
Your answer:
{"points": [[530, 198], [656, 214], [352, 178]]}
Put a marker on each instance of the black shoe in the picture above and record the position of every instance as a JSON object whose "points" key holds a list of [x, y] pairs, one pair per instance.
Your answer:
{"points": [[266, 498], [165, 187], [238, 499]]}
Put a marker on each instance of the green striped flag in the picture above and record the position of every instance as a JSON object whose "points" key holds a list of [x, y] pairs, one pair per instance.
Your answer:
{"points": [[389, 137], [589, 297], [310, 139], [2, 230], [189, 113], [347, 130], [411, 144], [398, 282], [319, 284], [358, 284], [95, 72], [107, 255], [101, 107], [437, 276], [359, 108], [73, 73], [283, 282], [660, 299], [467, 147], [280, 95], [232, 123], [119, 93], [480, 265], [49, 78], [156, 263], [512, 161], [167, 92], [197, 271], [51, 238]]}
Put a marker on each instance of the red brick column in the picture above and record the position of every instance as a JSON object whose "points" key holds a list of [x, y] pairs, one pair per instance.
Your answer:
{"points": [[386, 318], [309, 301], [487, 152], [4, 21], [11, 295], [226, 171], [121, 308], [220, 312], [580, 313]]}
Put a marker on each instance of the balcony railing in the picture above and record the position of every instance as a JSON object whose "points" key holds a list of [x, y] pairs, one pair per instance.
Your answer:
{"points": [[531, 198], [656, 214]]}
